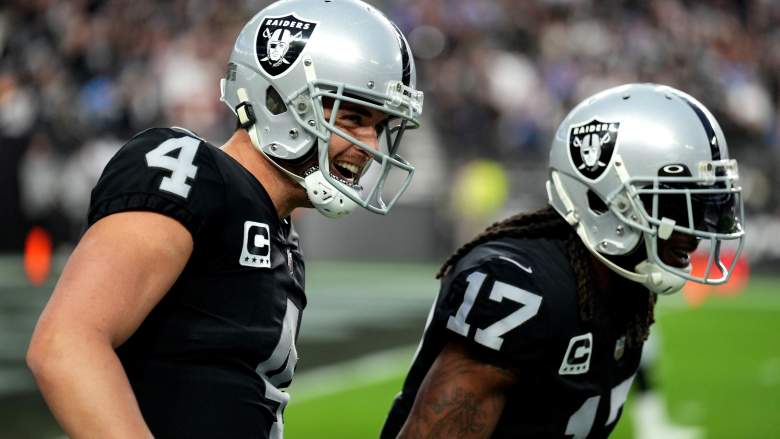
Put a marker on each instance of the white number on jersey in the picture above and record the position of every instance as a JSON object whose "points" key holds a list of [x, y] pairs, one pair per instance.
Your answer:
{"points": [[581, 422], [284, 352], [491, 336], [181, 167]]}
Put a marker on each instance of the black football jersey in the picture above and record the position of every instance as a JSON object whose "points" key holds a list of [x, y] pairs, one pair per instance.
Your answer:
{"points": [[514, 303], [213, 358]]}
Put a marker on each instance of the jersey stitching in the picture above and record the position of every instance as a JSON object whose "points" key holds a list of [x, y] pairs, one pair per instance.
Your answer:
{"points": [[100, 209]]}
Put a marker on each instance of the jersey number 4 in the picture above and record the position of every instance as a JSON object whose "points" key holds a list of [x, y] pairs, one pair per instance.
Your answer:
{"points": [[491, 336], [181, 167], [277, 371]]}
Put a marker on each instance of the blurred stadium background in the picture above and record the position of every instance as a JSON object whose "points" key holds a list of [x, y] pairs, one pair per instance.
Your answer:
{"points": [[79, 77]]}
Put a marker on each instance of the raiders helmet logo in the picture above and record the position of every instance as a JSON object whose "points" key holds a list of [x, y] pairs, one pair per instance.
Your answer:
{"points": [[591, 145], [280, 40]]}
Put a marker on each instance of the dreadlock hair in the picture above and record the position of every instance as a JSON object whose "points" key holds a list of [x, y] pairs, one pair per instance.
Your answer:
{"points": [[547, 223]]}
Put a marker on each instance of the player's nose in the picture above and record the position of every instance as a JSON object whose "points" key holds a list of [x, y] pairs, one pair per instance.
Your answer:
{"points": [[369, 136]]}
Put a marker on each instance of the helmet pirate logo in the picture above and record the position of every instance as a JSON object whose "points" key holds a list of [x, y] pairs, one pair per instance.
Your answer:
{"points": [[591, 145], [277, 46], [280, 41]]}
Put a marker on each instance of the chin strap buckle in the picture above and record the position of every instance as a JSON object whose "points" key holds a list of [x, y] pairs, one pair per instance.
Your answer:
{"points": [[244, 110], [246, 115]]}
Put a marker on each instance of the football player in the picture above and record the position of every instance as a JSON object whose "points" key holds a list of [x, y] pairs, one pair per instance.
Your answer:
{"points": [[539, 324], [177, 313]]}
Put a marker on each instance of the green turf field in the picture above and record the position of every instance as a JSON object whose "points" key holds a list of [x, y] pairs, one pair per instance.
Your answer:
{"points": [[719, 369]]}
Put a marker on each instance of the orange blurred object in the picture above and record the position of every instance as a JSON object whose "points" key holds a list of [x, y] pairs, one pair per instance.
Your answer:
{"points": [[696, 294], [37, 256]]}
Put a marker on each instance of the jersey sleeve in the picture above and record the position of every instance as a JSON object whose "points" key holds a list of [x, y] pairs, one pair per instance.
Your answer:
{"points": [[167, 171], [496, 309]]}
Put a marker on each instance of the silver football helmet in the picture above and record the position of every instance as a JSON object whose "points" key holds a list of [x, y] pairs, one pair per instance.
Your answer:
{"points": [[296, 53], [635, 163]]}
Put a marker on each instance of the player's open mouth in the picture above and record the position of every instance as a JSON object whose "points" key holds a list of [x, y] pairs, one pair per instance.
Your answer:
{"points": [[676, 251], [346, 172], [680, 257], [338, 175]]}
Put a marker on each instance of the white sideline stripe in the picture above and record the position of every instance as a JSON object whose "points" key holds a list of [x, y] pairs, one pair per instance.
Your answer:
{"points": [[350, 374]]}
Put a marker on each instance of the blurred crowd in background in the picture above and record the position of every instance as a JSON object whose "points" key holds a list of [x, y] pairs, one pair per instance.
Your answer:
{"points": [[79, 77]]}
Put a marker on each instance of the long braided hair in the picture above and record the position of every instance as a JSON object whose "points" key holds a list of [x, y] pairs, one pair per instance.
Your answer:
{"points": [[547, 223]]}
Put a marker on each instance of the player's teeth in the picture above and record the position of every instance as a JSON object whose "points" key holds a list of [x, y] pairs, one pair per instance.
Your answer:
{"points": [[349, 167]]}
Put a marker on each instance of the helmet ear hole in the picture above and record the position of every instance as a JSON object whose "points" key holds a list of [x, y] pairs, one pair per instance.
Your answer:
{"points": [[274, 102], [596, 204]]}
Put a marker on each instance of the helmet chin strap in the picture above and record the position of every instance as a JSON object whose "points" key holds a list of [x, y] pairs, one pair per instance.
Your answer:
{"points": [[659, 280], [328, 200], [647, 273]]}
